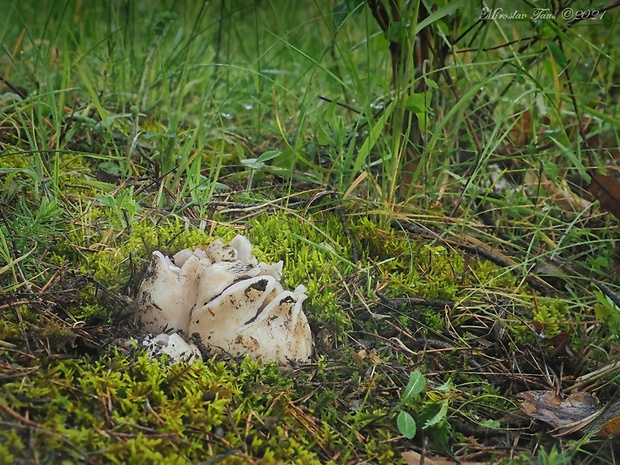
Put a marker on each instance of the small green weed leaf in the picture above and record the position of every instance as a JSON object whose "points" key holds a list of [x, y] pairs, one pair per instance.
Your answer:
{"points": [[431, 84], [107, 200], [607, 311], [339, 13], [554, 457], [577, 163], [259, 163], [435, 16], [545, 29], [221, 187], [398, 32], [491, 424], [417, 103], [447, 387], [415, 386], [375, 134], [110, 167], [406, 424], [443, 29], [551, 169], [269, 155], [558, 54], [611, 306], [439, 417], [354, 5], [285, 160], [253, 163]]}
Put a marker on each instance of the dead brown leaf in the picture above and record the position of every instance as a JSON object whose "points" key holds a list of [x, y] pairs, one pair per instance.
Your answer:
{"points": [[560, 196], [414, 458], [611, 427], [606, 189], [578, 413], [522, 132]]}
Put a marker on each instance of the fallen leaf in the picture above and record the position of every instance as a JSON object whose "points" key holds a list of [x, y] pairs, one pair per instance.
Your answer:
{"points": [[580, 412], [612, 427], [521, 132], [413, 458], [559, 194], [604, 143], [606, 189], [560, 341], [561, 344], [359, 357]]}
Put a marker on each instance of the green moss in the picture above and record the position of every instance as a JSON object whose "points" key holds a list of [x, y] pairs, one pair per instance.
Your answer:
{"points": [[416, 268], [550, 316], [432, 318], [9, 331], [128, 409], [123, 253], [485, 273], [15, 322], [316, 253], [554, 316], [11, 446], [139, 410]]}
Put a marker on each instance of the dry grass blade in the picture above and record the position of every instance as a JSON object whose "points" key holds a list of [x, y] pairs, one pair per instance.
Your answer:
{"points": [[10, 265]]}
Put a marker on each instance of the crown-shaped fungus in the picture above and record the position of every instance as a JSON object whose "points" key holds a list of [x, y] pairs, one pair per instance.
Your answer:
{"points": [[234, 303]]}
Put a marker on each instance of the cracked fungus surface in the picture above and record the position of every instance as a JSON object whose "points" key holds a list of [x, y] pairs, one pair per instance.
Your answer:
{"points": [[234, 306]]}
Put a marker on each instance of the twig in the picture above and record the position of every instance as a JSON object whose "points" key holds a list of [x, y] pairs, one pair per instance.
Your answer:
{"points": [[12, 413], [605, 289], [395, 302], [17, 90], [340, 104], [355, 253], [589, 378]]}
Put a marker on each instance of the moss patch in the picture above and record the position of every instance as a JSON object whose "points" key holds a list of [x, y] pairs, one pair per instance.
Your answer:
{"points": [[375, 321], [125, 409]]}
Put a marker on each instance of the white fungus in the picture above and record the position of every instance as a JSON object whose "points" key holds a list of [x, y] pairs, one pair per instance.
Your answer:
{"points": [[234, 303]]}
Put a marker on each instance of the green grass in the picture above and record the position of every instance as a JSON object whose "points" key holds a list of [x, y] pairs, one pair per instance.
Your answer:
{"points": [[127, 128]]}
